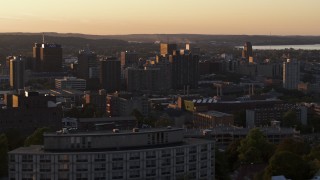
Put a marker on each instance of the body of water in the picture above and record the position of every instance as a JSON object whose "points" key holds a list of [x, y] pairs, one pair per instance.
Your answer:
{"points": [[280, 47]]}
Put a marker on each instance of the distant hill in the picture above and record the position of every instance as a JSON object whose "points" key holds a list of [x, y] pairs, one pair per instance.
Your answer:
{"points": [[183, 38], [22, 43]]}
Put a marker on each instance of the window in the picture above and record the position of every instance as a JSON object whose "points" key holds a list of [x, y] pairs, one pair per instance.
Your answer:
{"points": [[63, 158], [134, 164], [27, 167], [63, 167], [117, 166], [203, 156], [117, 175], [192, 150], [166, 162], [81, 176], [203, 165], [179, 169], [151, 172], [165, 171], [192, 167], [134, 156], [45, 176], [150, 163], [117, 157], [82, 158], [99, 157], [165, 153], [151, 154], [192, 158], [45, 167], [45, 158], [99, 176], [203, 148], [27, 158], [180, 160], [100, 167], [179, 152], [134, 174], [81, 167]]}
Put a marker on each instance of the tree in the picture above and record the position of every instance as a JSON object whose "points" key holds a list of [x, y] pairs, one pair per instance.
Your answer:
{"points": [[3, 155], [240, 118], [255, 148], [36, 138], [221, 165], [232, 154], [314, 159], [15, 139], [139, 117], [296, 146], [289, 119], [288, 164]]}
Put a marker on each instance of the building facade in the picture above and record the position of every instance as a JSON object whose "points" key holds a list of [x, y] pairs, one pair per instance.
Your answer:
{"points": [[147, 79], [259, 117], [167, 49], [70, 83], [110, 74], [128, 58], [291, 74], [212, 119], [141, 154], [184, 69], [247, 50], [17, 73], [47, 57]]}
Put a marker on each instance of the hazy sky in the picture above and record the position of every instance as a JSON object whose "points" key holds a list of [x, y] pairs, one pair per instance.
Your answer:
{"points": [[278, 17]]}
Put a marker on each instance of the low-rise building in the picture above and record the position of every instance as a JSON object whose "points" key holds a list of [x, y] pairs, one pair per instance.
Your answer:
{"points": [[70, 83], [263, 116], [211, 119]]}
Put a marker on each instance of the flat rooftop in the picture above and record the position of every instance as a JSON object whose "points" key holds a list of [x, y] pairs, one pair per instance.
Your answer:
{"points": [[38, 149], [111, 133], [214, 113]]}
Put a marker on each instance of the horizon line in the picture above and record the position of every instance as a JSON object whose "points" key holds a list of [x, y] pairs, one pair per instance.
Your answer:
{"points": [[204, 34]]}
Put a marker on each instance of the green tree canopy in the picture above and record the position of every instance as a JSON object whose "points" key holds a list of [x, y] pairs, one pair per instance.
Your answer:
{"points": [[232, 154], [36, 138], [3, 155], [297, 146], [289, 119], [15, 139], [221, 171], [255, 148], [288, 164]]}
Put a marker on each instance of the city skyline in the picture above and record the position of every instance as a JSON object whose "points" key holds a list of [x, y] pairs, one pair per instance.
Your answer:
{"points": [[286, 17]]}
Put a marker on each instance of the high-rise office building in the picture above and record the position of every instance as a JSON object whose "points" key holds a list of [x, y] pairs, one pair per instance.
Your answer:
{"points": [[167, 49], [47, 57], [184, 69], [110, 74], [147, 79], [129, 58], [291, 74], [36, 57], [87, 61], [17, 73], [247, 50]]}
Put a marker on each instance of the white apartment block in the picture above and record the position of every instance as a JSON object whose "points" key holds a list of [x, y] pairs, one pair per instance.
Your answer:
{"points": [[140, 154]]}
